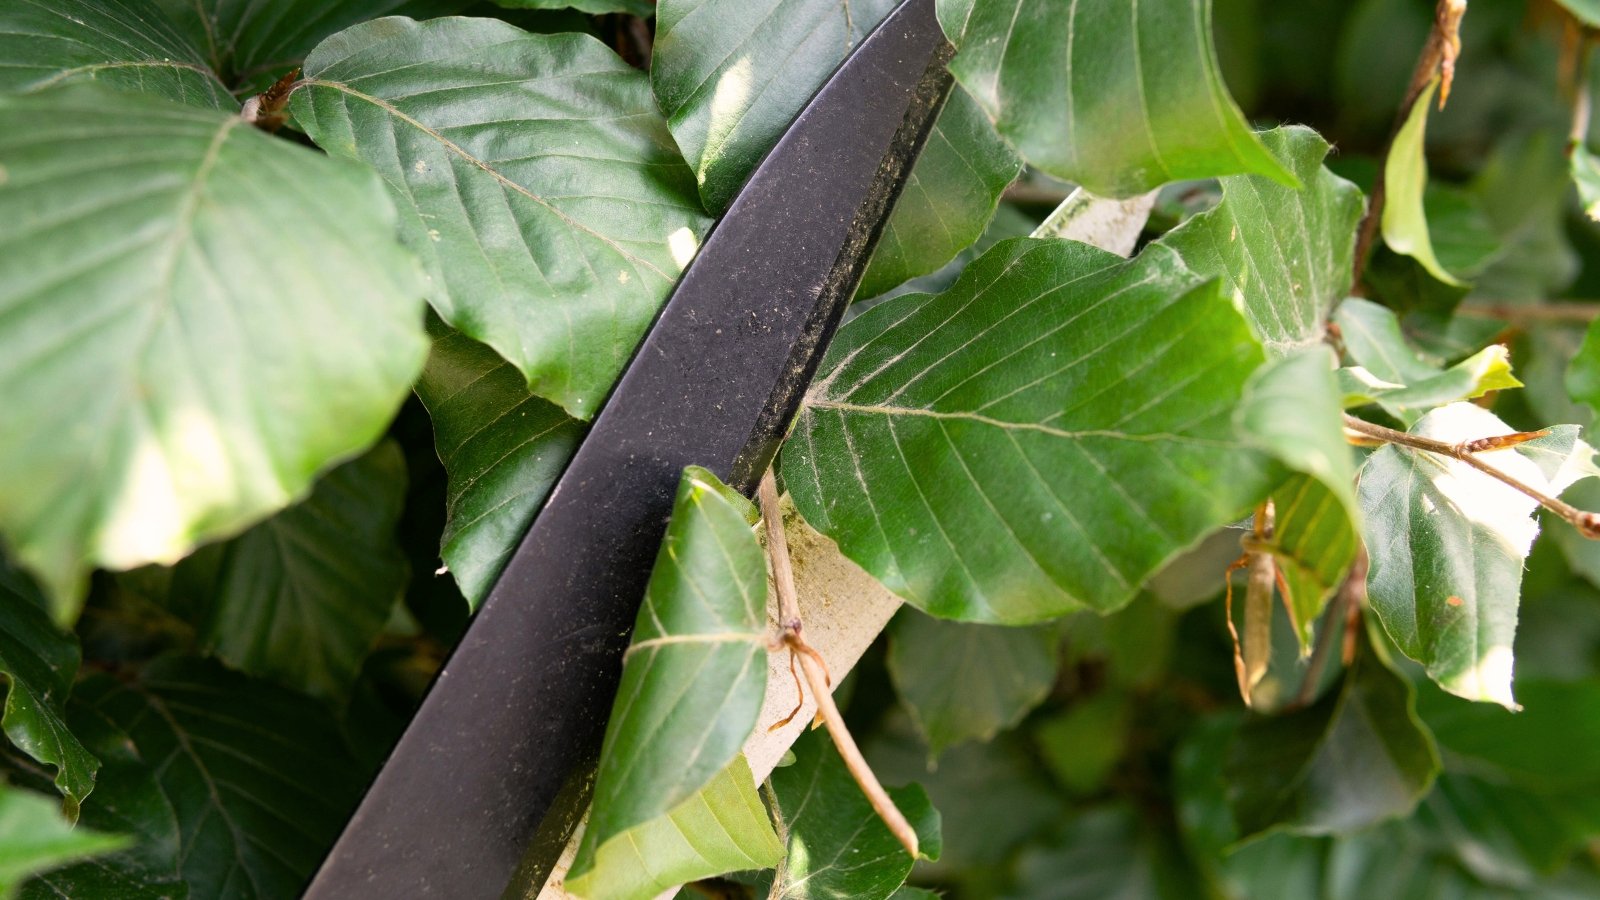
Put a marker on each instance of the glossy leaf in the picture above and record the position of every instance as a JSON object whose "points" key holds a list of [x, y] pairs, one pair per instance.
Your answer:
{"points": [[1405, 218], [731, 75], [212, 314], [34, 837], [1050, 370], [300, 598], [502, 447], [38, 663], [837, 845], [720, 828], [1357, 756], [1285, 253], [552, 230], [128, 45], [1447, 545], [1399, 379], [949, 198], [694, 677], [1118, 97], [962, 681]]}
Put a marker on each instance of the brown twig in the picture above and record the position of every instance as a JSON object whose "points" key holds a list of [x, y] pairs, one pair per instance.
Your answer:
{"points": [[1587, 523], [1335, 623], [1438, 58], [817, 673]]}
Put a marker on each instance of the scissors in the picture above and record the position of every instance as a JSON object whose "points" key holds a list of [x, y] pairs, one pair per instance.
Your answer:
{"points": [[495, 770]]}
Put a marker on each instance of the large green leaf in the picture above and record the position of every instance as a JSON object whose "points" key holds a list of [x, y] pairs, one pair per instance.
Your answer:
{"points": [[949, 198], [553, 228], [1285, 253], [694, 677], [201, 315], [1405, 219], [124, 44], [1535, 745], [1118, 97], [34, 837], [961, 680], [38, 663], [732, 74], [300, 597], [502, 447], [720, 828], [838, 847], [1404, 383], [1447, 545], [1357, 756], [1070, 418], [235, 788]]}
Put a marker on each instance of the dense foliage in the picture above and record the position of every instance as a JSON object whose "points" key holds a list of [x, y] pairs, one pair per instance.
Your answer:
{"points": [[1245, 543]]}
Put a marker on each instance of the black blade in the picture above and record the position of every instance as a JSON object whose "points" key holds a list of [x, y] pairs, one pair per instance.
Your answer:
{"points": [[505, 743]]}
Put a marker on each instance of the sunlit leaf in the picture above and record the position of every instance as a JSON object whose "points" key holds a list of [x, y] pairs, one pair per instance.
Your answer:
{"points": [[1397, 377], [552, 230], [195, 319]]}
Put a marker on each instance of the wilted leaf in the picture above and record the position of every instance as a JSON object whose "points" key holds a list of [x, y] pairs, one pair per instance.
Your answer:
{"points": [[502, 447], [961, 680], [1405, 219], [34, 837], [197, 319], [1357, 756], [38, 662], [1117, 97], [838, 847], [128, 45], [692, 680], [1048, 368], [1398, 378], [553, 231]]}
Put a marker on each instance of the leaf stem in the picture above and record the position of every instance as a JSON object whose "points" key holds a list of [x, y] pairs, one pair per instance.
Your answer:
{"points": [[1335, 622], [817, 674], [1587, 523]]}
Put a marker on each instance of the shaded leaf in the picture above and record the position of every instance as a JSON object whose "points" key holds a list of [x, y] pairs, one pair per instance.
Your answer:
{"points": [[552, 230], [1082, 745], [694, 676], [1106, 852], [208, 316], [502, 447], [961, 681], [1047, 367], [1117, 97], [1357, 756], [1447, 544], [1463, 238], [837, 845], [128, 45], [731, 75], [38, 662], [720, 828], [1398, 378], [1505, 834], [643, 8], [1533, 746], [34, 837], [300, 598], [1405, 219]]}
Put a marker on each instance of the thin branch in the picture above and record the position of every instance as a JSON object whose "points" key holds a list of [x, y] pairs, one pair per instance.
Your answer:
{"points": [[1438, 57], [1587, 523], [817, 674], [1335, 622]]}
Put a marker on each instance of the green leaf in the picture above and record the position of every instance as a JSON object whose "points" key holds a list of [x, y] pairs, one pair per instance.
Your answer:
{"points": [[300, 598], [720, 828], [502, 447], [34, 837], [641, 8], [1405, 220], [128, 45], [1533, 746], [1586, 173], [1587, 11], [211, 314], [694, 677], [251, 44], [1286, 254], [38, 662], [1583, 373], [235, 788], [1447, 545], [837, 845], [1107, 852], [1463, 238], [949, 198], [1070, 415], [1118, 97], [1083, 745], [731, 75], [1504, 833], [961, 681], [1357, 756], [1396, 375], [552, 230]]}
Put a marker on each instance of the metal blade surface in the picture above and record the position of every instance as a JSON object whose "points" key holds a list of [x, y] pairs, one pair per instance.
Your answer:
{"points": [[500, 754]]}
